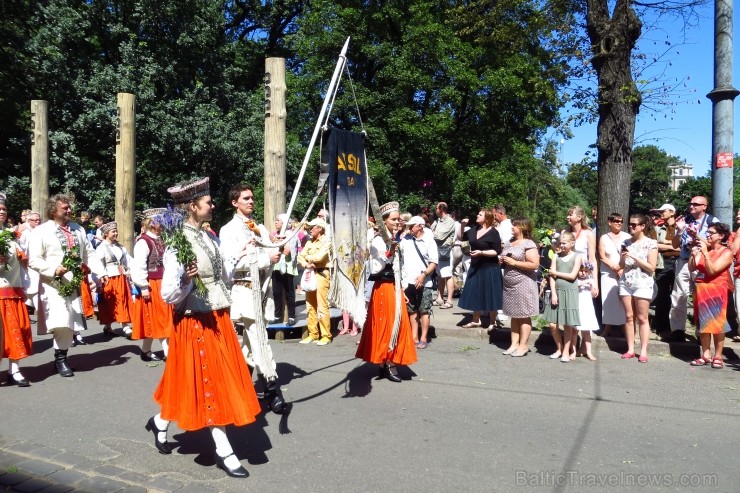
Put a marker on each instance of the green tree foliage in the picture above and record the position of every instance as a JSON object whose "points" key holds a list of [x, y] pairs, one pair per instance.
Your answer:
{"points": [[651, 178], [584, 177], [449, 114], [454, 96]]}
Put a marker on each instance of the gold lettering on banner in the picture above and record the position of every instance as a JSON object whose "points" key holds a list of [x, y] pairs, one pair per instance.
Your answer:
{"points": [[349, 162]]}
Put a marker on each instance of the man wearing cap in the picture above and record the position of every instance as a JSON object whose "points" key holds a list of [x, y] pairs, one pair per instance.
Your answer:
{"points": [[419, 263], [687, 230], [242, 241], [665, 275], [49, 245], [315, 255], [283, 275], [152, 317]]}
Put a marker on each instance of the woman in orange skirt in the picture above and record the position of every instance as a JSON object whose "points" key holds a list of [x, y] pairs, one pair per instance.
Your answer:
{"points": [[115, 295], [206, 382], [380, 343], [152, 317], [15, 335]]}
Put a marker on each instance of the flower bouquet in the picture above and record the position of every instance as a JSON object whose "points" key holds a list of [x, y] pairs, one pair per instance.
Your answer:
{"points": [[6, 237], [69, 283], [172, 221]]}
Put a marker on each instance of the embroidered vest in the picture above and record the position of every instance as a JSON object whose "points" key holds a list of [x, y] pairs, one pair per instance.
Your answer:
{"points": [[209, 270], [154, 260]]}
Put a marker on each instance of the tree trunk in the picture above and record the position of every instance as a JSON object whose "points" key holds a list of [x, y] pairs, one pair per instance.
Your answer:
{"points": [[613, 38]]}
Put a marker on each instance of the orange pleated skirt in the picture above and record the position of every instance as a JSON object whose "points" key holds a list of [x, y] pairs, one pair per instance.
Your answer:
{"points": [[17, 339], [206, 381], [378, 328], [88, 308], [115, 303], [152, 318]]}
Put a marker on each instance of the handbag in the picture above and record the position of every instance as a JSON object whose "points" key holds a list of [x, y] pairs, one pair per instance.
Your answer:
{"points": [[442, 249], [434, 274], [465, 247], [308, 281]]}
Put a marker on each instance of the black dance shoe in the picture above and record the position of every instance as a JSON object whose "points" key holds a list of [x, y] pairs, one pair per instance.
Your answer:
{"points": [[20, 383], [239, 472], [392, 374], [60, 361], [163, 447], [149, 356]]}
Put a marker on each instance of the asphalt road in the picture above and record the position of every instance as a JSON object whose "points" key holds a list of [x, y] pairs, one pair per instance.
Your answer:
{"points": [[466, 418]]}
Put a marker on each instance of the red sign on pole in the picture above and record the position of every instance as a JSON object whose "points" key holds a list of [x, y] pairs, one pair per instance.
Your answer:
{"points": [[723, 160]]}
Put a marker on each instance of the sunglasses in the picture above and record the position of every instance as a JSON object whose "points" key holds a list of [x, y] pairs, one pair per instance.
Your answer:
{"points": [[696, 204], [634, 225], [618, 221]]}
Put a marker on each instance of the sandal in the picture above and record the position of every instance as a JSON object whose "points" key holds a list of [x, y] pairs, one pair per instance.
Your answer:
{"points": [[717, 363], [736, 339], [445, 305], [702, 361], [422, 345], [437, 302], [471, 325]]}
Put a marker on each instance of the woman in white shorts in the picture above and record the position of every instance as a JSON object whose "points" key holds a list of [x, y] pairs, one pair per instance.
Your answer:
{"points": [[639, 257]]}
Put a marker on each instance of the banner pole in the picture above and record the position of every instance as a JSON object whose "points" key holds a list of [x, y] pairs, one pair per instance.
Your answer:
{"points": [[333, 85]]}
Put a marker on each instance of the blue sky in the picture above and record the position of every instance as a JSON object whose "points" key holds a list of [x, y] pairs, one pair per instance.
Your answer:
{"points": [[685, 129]]}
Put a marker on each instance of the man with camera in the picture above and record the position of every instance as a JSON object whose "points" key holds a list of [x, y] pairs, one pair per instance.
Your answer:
{"points": [[688, 228]]}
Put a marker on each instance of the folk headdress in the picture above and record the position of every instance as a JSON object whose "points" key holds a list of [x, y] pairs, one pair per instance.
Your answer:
{"points": [[151, 213], [389, 207], [187, 192], [108, 227]]}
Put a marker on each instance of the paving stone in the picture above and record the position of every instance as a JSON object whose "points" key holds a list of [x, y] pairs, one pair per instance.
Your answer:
{"points": [[38, 467], [108, 470], [88, 465], [56, 488], [194, 488], [13, 478], [24, 447], [31, 486], [134, 489], [8, 459], [46, 452], [70, 458], [133, 477], [66, 476], [164, 484], [100, 484]]}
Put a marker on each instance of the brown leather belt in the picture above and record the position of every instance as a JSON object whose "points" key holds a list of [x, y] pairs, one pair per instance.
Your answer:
{"points": [[241, 282]]}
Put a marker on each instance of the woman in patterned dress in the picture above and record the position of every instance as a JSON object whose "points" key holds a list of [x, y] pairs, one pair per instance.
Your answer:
{"points": [[638, 261], [711, 260], [521, 260]]}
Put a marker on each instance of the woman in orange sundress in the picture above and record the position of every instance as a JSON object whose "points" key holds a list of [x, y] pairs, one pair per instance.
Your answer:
{"points": [[711, 260]]}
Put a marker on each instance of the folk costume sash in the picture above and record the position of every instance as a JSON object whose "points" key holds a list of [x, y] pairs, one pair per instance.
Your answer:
{"points": [[344, 154]]}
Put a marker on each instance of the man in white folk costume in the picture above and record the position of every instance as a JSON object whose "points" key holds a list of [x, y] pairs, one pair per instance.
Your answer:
{"points": [[56, 250], [252, 305]]}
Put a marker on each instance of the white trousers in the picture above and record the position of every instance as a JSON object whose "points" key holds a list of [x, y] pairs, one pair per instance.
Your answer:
{"points": [[263, 362], [680, 296]]}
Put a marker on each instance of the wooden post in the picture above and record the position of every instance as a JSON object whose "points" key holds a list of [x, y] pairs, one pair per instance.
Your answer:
{"points": [[126, 169], [39, 156], [274, 171]]}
